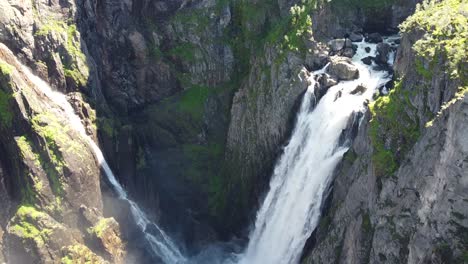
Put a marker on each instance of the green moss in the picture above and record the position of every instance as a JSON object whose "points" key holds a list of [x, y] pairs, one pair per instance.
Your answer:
{"points": [[141, 159], [6, 116], [205, 162], [106, 125], [72, 68], [366, 224], [192, 101], [392, 131], [184, 51], [74, 63], [50, 128], [427, 74], [5, 68], [26, 225]]}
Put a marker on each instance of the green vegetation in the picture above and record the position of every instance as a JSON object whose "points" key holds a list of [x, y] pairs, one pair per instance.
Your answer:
{"points": [[5, 68], [101, 226], [366, 224], [205, 161], [192, 101], [6, 117], [106, 125], [48, 126], [185, 51], [26, 225], [393, 132], [446, 27], [79, 72]]}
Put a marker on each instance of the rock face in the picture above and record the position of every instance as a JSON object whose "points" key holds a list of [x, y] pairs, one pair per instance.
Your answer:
{"points": [[49, 172], [190, 100], [261, 117], [400, 193]]}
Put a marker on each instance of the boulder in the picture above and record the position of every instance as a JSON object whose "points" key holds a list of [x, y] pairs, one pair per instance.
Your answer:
{"points": [[367, 60], [374, 38], [343, 68], [383, 49], [337, 44], [327, 80], [348, 52], [356, 37], [317, 58], [367, 49], [360, 89], [348, 43]]}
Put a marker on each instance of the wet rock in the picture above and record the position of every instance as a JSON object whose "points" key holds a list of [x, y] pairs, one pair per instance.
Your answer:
{"points": [[367, 49], [374, 38], [318, 56], [383, 50], [337, 44], [348, 52], [367, 60], [327, 80], [348, 43], [324, 82], [360, 89], [356, 37], [343, 68]]}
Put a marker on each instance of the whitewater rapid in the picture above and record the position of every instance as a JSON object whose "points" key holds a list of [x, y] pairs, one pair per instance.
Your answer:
{"points": [[291, 209], [159, 242]]}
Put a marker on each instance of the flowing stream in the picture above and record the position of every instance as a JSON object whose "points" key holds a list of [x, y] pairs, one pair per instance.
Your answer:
{"points": [[291, 209], [160, 243]]}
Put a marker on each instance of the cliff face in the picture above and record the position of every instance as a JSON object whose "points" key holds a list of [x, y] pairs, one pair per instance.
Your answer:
{"points": [[399, 196], [192, 102]]}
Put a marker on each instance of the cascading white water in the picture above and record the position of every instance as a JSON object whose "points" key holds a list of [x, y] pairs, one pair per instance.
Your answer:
{"points": [[160, 243], [291, 209]]}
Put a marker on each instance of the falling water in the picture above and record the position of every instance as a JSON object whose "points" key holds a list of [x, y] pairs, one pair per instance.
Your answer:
{"points": [[291, 209], [160, 243]]}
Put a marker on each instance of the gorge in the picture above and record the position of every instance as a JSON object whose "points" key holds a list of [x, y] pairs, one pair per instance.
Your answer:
{"points": [[239, 131]]}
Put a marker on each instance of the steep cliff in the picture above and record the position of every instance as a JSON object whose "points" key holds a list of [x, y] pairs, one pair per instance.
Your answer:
{"points": [[399, 196]]}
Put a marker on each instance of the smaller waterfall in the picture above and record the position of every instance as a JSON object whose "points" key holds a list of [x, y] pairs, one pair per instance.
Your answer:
{"points": [[291, 209], [160, 243]]}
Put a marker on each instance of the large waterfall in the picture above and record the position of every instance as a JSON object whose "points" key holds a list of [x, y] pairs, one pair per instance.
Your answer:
{"points": [[161, 245], [291, 209]]}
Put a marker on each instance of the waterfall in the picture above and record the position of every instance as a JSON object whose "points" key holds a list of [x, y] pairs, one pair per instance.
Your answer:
{"points": [[302, 175], [160, 243]]}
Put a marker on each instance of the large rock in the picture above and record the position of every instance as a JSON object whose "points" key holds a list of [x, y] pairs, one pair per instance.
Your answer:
{"points": [[356, 37], [343, 68], [383, 50], [262, 115], [337, 44], [374, 38]]}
